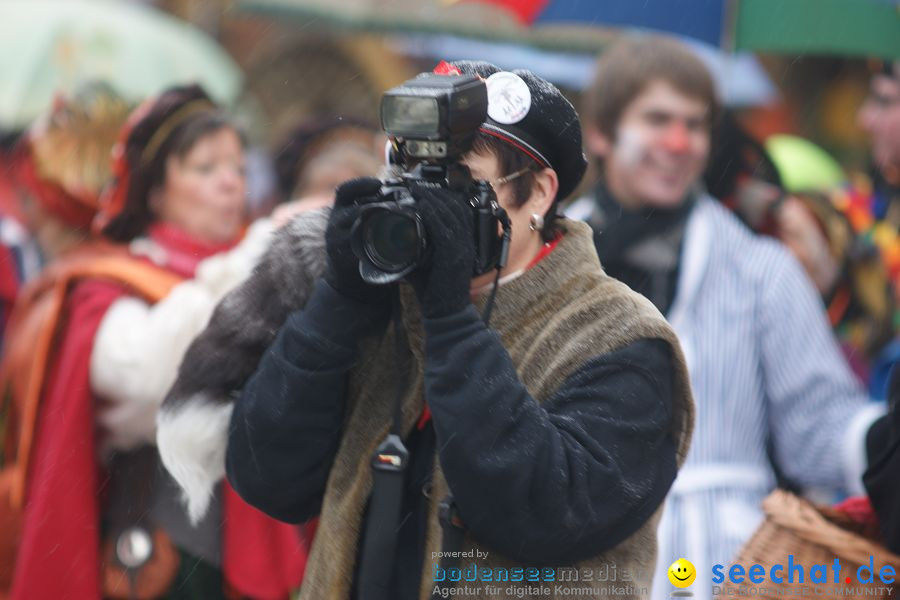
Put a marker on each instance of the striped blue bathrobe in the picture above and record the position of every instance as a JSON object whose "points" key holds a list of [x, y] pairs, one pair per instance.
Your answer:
{"points": [[764, 365]]}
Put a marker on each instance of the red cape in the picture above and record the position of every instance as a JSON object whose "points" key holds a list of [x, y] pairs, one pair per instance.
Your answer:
{"points": [[59, 556]]}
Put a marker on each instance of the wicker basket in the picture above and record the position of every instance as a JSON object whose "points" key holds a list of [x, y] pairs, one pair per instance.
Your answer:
{"points": [[814, 536]]}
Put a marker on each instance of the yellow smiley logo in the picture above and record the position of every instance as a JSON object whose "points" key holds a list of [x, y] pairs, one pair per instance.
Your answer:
{"points": [[682, 573]]}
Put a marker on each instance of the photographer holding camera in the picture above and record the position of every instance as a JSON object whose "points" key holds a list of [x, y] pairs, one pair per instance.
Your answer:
{"points": [[548, 439]]}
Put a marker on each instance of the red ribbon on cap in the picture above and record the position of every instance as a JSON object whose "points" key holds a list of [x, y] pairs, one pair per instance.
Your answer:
{"points": [[445, 68]]}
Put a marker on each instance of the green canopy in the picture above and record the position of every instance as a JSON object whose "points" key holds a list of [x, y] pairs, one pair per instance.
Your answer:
{"points": [[842, 27]]}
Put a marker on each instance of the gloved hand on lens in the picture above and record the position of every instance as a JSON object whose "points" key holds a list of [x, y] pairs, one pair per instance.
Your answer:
{"points": [[342, 272], [442, 283]]}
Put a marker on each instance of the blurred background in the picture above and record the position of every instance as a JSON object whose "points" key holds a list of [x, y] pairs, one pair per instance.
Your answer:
{"points": [[786, 66], [304, 78]]}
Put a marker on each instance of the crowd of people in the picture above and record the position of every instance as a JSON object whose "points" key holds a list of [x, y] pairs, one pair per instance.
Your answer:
{"points": [[195, 404]]}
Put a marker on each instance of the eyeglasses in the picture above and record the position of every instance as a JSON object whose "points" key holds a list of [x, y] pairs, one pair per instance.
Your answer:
{"points": [[507, 178]]}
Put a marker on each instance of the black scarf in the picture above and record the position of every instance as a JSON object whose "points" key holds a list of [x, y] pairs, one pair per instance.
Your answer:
{"points": [[641, 248]]}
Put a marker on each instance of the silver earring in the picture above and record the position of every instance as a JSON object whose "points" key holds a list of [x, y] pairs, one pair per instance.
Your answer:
{"points": [[536, 223]]}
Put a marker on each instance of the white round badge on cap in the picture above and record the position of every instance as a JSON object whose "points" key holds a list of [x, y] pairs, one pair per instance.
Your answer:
{"points": [[509, 98]]}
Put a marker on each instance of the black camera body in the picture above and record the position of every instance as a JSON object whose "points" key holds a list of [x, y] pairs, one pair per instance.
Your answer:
{"points": [[432, 121]]}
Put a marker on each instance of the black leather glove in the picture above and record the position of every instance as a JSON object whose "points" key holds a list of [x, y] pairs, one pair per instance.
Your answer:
{"points": [[442, 283], [342, 272]]}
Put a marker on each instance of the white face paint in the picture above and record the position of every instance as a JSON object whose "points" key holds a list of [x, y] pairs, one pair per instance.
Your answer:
{"points": [[630, 147]]}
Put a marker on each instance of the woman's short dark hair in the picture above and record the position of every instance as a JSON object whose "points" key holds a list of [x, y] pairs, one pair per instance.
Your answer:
{"points": [[511, 161], [147, 153]]}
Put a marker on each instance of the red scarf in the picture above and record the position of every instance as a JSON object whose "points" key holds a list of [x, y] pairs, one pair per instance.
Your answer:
{"points": [[183, 252], [59, 556]]}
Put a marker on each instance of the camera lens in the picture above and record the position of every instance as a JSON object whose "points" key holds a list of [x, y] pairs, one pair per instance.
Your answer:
{"points": [[391, 240]]}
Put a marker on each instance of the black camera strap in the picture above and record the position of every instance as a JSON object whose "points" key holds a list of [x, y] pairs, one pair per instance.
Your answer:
{"points": [[389, 465], [489, 305], [504, 255]]}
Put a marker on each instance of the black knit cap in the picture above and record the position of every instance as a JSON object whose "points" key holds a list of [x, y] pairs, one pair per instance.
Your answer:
{"points": [[550, 132]]}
